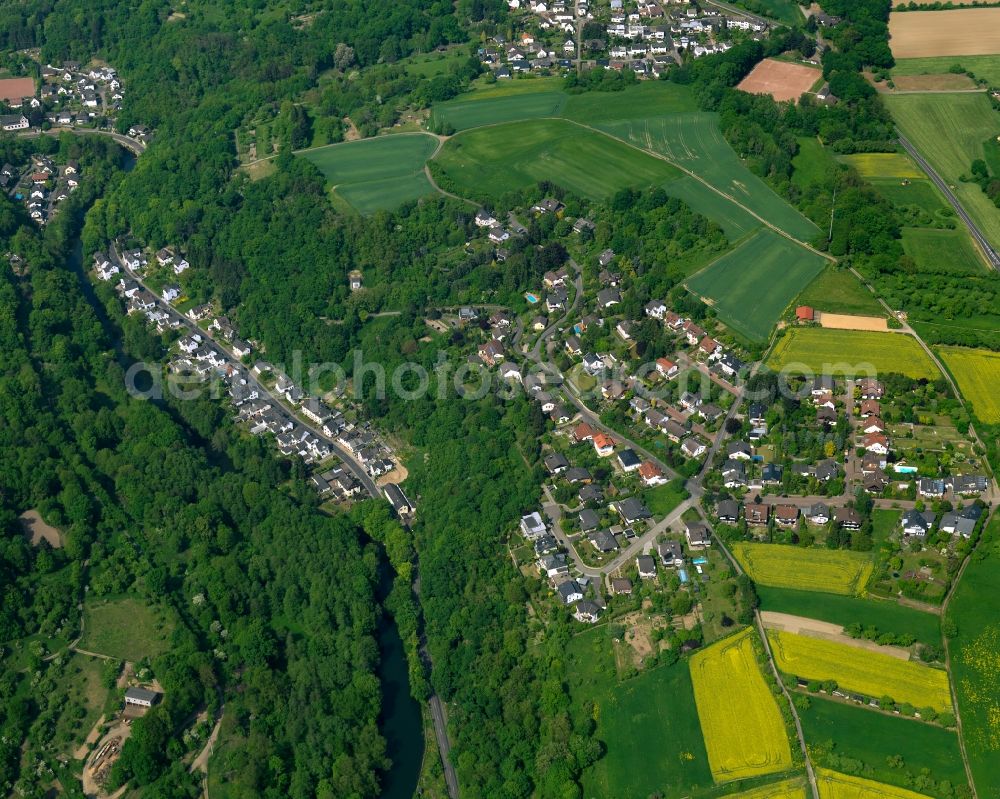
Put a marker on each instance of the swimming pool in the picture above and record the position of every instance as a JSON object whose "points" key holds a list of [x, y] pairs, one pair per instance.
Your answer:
{"points": [[683, 575], [905, 469], [699, 561], [531, 298]]}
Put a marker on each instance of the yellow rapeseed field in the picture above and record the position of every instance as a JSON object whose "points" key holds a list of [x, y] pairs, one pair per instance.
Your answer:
{"points": [[860, 670], [833, 571], [833, 785], [744, 733], [786, 789], [978, 375]]}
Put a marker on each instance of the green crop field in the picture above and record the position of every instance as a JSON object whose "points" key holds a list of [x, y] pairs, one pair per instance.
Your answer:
{"points": [[811, 163], [983, 66], [657, 705], [735, 221], [834, 571], [494, 160], [376, 174], [649, 98], [942, 250], [839, 291], [977, 373], [125, 628], [872, 738], [860, 670], [463, 114], [950, 131], [921, 194], [694, 141], [886, 615], [975, 658], [751, 286], [744, 738], [851, 352]]}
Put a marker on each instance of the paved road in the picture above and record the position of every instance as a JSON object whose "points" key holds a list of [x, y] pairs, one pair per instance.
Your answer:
{"points": [[355, 468], [981, 240], [134, 145], [441, 734]]}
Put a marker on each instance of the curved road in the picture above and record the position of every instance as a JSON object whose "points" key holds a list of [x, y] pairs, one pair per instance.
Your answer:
{"points": [[936, 179]]}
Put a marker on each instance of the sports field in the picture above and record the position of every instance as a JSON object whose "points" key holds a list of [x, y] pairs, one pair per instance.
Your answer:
{"points": [[859, 670], [873, 738], [975, 658], [747, 737], [942, 251], [883, 165], [752, 285], [950, 130], [494, 160], [833, 571], [657, 705], [833, 785], [886, 615], [977, 373], [694, 141], [851, 353], [838, 291], [377, 174], [782, 80], [967, 31], [985, 66], [794, 788]]}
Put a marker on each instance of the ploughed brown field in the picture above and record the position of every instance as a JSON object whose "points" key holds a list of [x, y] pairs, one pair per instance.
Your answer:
{"points": [[960, 31], [780, 79]]}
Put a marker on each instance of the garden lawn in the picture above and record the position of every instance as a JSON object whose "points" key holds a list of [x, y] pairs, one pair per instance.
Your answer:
{"points": [[886, 615], [839, 291], [663, 499], [694, 141], [833, 785], [872, 738], [977, 373], [860, 670], [751, 286], [377, 174], [124, 628], [975, 658], [950, 131], [832, 571], [657, 705], [744, 733], [492, 161], [942, 251], [851, 353]]}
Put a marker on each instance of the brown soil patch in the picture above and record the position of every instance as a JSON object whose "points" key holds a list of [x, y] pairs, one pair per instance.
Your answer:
{"points": [[780, 79], [351, 132], [963, 31], [839, 321], [36, 530], [812, 628], [91, 739], [397, 475]]}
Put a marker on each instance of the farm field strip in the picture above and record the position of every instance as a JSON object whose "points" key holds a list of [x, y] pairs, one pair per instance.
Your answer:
{"points": [[851, 353], [943, 250], [833, 785], [744, 738], [977, 373], [793, 788], [463, 114], [833, 571], [857, 670], [734, 220], [883, 165], [984, 66], [915, 34], [734, 283]]}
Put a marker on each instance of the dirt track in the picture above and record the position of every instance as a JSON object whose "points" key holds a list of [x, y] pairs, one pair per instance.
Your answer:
{"points": [[812, 628], [839, 321]]}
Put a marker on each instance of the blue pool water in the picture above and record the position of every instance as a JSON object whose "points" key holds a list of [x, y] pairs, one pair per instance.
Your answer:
{"points": [[906, 469], [683, 575], [699, 561], [531, 298]]}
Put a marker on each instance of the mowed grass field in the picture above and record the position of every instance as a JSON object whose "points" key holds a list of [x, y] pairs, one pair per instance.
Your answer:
{"points": [[859, 670], [838, 291], [833, 785], [977, 373], [830, 571], [975, 658], [694, 141], [744, 733], [950, 131], [872, 738], [657, 705], [942, 251], [851, 352], [751, 286], [502, 158], [124, 628], [886, 615], [377, 174], [811, 163], [921, 194]]}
